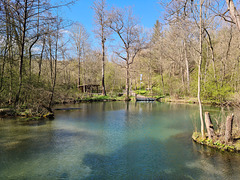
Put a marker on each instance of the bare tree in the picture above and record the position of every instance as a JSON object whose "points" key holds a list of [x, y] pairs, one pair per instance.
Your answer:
{"points": [[21, 41], [102, 32], [235, 15], [55, 57], [126, 27], [177, 11], [79, 36]]}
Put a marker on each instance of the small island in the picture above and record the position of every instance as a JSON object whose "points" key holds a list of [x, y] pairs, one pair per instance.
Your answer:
{"points": [[225, 139]]}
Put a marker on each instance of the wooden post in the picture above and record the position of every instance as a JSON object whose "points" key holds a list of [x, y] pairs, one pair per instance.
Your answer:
{"points": [[209, 126], [228, 131]]}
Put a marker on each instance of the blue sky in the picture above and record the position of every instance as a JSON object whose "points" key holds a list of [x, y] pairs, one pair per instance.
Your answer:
{"points": [[148, 11]]}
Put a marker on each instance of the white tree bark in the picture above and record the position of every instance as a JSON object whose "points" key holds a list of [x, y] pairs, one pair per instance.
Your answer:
{"points": [[199, 71], [235, 15]]}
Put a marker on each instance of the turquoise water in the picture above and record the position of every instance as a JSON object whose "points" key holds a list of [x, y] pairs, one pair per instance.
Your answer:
{"points": [[113, 140]]}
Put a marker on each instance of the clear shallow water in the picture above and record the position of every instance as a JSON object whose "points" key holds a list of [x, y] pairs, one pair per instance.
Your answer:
{"points": [[113, 140]]}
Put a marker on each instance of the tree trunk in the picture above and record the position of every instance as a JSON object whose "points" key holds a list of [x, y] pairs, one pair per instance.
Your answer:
{"points": [[30, 57], [209, 126], [79, 67], [183, 80], [3, 65], [234, 13], [162, 80], [103, 66], [7, 45], [228, 131], [55, 68], [199, 73], [84, 80], [149, 76], [212, 52], [40, 61], [22, 53], [187, 66], [10, 57], [127, 81]]}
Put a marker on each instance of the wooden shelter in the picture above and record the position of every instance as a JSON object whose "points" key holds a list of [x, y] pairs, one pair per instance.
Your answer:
{"points": [[89, 88]]}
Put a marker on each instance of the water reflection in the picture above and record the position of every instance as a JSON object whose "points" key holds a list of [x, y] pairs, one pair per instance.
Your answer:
{"points": [[113, 140]]}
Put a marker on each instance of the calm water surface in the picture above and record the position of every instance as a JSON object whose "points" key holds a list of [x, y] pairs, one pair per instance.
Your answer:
{"points": [[113, 140]]}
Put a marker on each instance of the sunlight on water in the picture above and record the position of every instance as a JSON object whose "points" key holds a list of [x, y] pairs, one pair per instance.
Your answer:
{"points": [[113, 140]]}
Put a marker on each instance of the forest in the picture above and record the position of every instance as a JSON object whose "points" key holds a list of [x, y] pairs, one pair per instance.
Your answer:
{"points": [[191, 51]]}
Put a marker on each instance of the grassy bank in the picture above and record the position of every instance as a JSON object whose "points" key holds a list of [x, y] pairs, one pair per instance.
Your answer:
{"points": [[193, 100]]}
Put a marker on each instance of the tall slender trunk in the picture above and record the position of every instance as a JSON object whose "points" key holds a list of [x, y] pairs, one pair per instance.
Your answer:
{"points": [[149, 75], [161, 72], [11, 75], [199, 71], [162, 82], [226, 57], [50, 59], [180, 67], [234, 13], [55, 67], [34, 42], [30, 57], [84, 69], [11, 60], [150, 70], [69, 79], [103, 65], [40, 61], [183, 80], [7, 45], [22, 45], [127, 80], [79, 67], [3, 64], [212, 52], [187, 66]]}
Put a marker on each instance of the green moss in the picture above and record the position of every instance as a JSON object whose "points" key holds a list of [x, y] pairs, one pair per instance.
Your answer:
{"points": [[235, 147], [32, 118], [142, 92]]}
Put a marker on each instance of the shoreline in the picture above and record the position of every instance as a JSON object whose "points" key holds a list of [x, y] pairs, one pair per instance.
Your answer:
{"points": [[11, 112], [6, 112], [26, 114], [234, 146]]}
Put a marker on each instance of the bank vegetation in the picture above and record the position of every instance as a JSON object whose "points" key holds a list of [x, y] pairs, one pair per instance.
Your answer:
{"points": [[44, 58]]}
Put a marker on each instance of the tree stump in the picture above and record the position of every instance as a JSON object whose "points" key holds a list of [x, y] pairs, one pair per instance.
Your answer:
{"points": [[209, 126], [228, 131]]}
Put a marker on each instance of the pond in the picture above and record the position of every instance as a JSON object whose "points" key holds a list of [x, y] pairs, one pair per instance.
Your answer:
{"points": [[113, 140]]}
